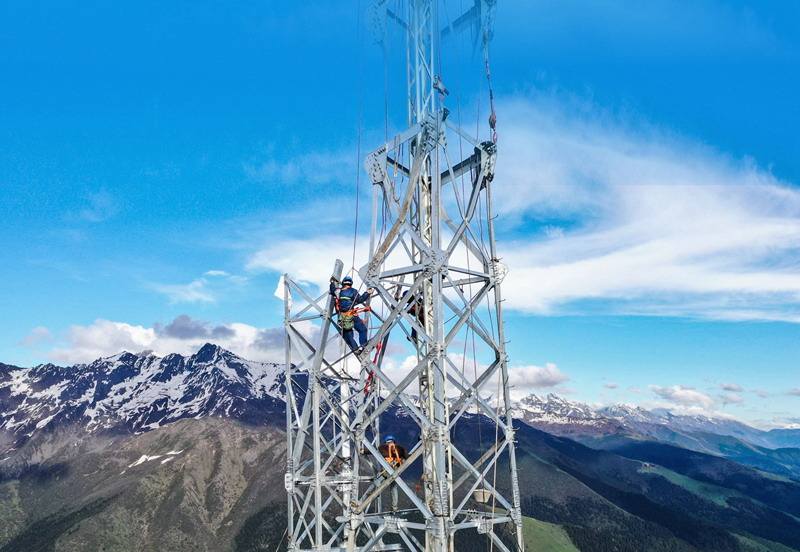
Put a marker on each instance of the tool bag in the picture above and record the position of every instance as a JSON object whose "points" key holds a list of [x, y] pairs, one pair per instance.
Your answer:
{"points": [[347, 320]]}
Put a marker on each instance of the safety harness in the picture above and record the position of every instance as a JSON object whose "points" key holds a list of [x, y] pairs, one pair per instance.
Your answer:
{"points": [[347, 318], [392, 455]]}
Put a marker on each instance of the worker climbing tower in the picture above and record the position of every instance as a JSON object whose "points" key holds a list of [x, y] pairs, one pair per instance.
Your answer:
{"points": [[434, 372]]}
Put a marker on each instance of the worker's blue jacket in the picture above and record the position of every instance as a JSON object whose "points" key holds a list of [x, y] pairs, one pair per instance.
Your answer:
{"points": [[349, 297]]}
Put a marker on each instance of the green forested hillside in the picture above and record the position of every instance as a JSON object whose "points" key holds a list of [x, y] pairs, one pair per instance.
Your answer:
{"points": [[216, 485]]}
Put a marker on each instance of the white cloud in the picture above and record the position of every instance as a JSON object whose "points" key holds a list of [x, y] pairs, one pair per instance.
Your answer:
{"points": [[658, 225], [611, 385], [37, 336], [527, 378], [103, 338], [522, 379], [794, 392], [183, 335], [629, 219], [309, 261], [684, 396]]}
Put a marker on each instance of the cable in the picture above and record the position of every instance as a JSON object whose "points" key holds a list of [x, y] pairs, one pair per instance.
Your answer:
{"points": [[492, 113], [285, 532], [360, 41]]}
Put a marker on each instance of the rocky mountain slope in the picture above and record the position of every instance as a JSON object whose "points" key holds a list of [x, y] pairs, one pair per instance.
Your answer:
{"points": [[131, 393], [190, 485], [136, 452]]}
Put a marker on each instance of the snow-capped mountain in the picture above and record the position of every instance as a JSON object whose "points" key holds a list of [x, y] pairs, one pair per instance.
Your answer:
{"points": [[639, 420], [567, 418], [137, 392], [134, 393], [560, 416]]}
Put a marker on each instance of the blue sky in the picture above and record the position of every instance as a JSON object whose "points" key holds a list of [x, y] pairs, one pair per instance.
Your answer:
{"points": [[159, 164]]}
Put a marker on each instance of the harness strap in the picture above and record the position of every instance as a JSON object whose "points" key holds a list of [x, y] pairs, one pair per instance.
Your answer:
{"points": [[394, 456], [352, 312], [368, 384]]}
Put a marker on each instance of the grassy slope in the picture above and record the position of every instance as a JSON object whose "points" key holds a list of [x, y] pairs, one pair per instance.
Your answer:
{"points": [[714, 493], [700, 511], [546, 537], [99, 500], [755, 544], [216, 495]]}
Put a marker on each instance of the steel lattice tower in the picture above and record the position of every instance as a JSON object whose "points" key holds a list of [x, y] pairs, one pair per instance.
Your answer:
{"points": [[432, 246]]}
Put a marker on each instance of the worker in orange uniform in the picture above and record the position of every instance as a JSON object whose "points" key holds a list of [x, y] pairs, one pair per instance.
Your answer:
{"points": [[394, 455]]}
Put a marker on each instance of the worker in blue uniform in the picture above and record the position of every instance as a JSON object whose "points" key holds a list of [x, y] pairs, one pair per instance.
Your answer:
{"points": [[346, 300]]}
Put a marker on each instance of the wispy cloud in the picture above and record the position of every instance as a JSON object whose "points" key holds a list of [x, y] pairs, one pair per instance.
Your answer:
{"points": [[37, 336], [100, 206], [311, 168], [205, 289], [654, 224], [629, 220], [196, 291], [733, 387], [731, 398], [684, 396]]}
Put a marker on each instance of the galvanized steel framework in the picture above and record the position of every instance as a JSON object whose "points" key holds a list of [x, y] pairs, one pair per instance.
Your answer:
{"points": [[432, 245]]}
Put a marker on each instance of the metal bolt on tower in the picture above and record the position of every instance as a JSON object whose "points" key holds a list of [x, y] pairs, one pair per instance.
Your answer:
{"points": [[434, 267]]}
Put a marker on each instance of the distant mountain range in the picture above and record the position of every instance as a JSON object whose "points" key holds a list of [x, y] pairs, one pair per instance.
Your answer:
{"points": [[776, 451], [563, 416], [139, 452]]}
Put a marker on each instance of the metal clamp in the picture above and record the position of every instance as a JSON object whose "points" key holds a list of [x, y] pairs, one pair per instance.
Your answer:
{"points": [[499, 271], [484, 525], [375, 165], [488, 157], [392, 524]]}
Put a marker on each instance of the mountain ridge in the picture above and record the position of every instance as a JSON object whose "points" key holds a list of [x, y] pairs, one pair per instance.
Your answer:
{"points": [[564, 417], [194, 460], [138, 392]]}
